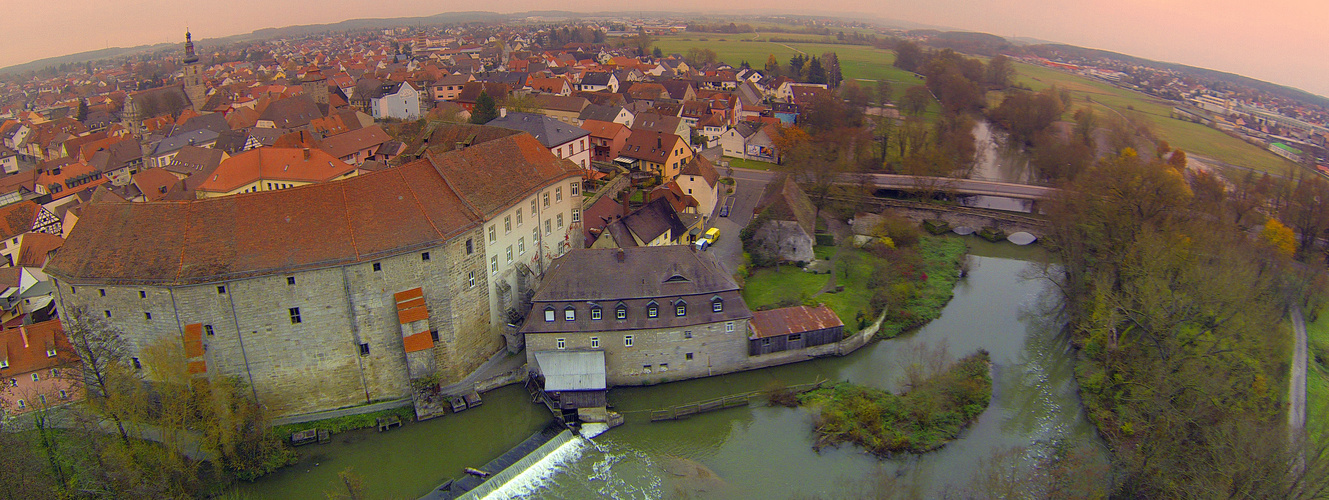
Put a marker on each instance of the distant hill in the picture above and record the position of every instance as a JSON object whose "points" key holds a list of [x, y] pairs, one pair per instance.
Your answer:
{"points": [[965, 41], [80, 58], [1062, 50]]}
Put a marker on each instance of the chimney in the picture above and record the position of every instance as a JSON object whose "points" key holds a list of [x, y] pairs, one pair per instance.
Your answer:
{"points": [[659, 142], [306, 153], [620, 253], [503, 112], [23, 331]]}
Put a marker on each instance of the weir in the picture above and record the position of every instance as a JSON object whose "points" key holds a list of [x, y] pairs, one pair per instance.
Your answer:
{"points": [[510, 471]]}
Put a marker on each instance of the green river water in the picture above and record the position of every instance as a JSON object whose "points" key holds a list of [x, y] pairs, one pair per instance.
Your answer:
{"points": [[757, 452]]}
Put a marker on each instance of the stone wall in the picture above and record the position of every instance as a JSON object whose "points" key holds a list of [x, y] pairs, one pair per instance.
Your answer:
{"points": [[665, 351], [346, 348]]}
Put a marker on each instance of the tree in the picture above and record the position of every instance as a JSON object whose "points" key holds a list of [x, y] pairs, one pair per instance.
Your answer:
{"points": [[657, 53], [485, 109], [999, 72], [908, 56], [1177, 160], [831, 62], [698, 57], [816, 73], [1279, 237], [788, 140], [772, 66], [796, 65], [885, 92], [519, 103], [104, 371], [915, 100], [82, 112], [643, 41]]}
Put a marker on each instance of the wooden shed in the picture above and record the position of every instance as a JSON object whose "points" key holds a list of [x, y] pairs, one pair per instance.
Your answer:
{"points": [[792, 328], [573, 379]]}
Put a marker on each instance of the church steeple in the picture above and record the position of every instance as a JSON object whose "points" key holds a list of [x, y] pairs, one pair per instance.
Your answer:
{"points": [[190, 58]]}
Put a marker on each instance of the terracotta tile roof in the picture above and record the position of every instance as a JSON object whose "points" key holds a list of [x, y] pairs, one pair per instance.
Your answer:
{"points": [[18, 218], [26, 348], [603, 130], [343, 145], [649, 146], [360, 219], [35, 248], [270, 163], [493, 175], [798, 319], [154, 183], [700, 166]]}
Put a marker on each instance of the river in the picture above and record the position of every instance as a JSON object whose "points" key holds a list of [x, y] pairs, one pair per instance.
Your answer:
{"points": [[759, 451], [995, 160]]}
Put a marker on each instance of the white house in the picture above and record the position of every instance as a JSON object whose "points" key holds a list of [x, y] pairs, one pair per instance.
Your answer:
{"points": [[701, 181], [401, 101]]}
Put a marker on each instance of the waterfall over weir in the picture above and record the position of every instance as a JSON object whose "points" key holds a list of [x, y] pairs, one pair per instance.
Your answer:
{"points": [[519, 471]]}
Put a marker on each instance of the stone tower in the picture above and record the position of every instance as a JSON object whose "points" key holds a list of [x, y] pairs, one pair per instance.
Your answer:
{"points": [[194, 87], [315, 85]]}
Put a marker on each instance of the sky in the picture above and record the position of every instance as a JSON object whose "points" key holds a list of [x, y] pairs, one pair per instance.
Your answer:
{"points": [[1274, 40]]}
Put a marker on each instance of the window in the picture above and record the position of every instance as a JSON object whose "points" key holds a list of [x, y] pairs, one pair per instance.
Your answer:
{"points": [[569, 314], [717, 304], [470, 246], [596, 313], [295, 315], [102, 291], [621, 312], [532, 207], [729, 327], [574, 189], [646, 368], [521, 245], [424, 256], [518, 217], [63, 394], [433, 334], [107, 313], [558, 194], [55, 372], [546, 199], [548, 228], [652, 310], [364, 349], [378, 266], [549, 315], [535, 237], [681, 309], [507, 224], [142, 294], [493, 265], [147, 316], [576, 215], [22, 404], [509, 253], [560, 221], [208, 329], [765, 342], [795, 337], [470, 279], [688, 356], [73, 290], [137, 364], [562, 343], [687, 334], [50, 352], [35, 378], [595, 342], [290, 280], [221, 289], [627, 341], [493, 235], [664, 367]]}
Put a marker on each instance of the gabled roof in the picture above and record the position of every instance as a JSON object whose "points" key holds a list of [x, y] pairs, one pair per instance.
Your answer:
{"points": [[193, 159], [291, 112], [599, 78], [25, 348], [18, 218], [797, 319], [568, 104], [548, 130], [604, 129], [272, 163], [343, 145], [647, 223], [36, 247], [643, 272], [650, 146], [655, 123], [494, 175], [154, 183], [787, 202], [602, 113], [700, 166]]}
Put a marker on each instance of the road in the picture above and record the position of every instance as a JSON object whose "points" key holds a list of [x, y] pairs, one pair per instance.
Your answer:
{"points": [[1296, 415], [748, 187]]}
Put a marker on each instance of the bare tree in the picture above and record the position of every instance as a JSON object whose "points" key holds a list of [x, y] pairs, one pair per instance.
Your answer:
{"points": [[104, 372]]}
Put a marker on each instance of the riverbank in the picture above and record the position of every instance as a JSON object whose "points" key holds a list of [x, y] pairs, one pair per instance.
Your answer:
{"points": [[1317, 374], [921, 420]]}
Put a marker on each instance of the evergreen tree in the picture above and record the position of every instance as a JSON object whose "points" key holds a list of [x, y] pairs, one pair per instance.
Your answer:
{"points": [[82, 113], [816, 73], [657, 53], [796, 65], [831, 62], [485, 109]]}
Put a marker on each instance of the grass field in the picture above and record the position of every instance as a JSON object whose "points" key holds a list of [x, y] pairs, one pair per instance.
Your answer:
{"points": [[1317, 375], [1190, 137], [767, 286]]}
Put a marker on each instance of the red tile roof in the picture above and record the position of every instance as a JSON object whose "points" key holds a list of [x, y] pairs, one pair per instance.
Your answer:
{"points": [[787, 320], [271, 163], [26, 347]]}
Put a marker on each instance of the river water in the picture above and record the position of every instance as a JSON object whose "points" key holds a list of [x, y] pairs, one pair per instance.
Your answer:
{"points": [[759, 451], [995, 160]]}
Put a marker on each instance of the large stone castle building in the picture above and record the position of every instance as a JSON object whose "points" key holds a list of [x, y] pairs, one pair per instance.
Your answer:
{"points": [[333, 294]]}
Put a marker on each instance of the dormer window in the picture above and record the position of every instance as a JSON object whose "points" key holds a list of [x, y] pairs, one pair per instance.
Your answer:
{"points": [[549, 314], [621, 312], [717, 304], [596, 313], [680, 308], [652, 310], [569, 314]]}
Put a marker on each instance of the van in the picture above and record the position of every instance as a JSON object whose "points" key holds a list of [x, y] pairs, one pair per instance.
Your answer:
{"points": [[712, 235]]}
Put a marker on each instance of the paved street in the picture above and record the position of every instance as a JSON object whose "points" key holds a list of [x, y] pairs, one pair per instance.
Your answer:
{"points": [[747, 191]]}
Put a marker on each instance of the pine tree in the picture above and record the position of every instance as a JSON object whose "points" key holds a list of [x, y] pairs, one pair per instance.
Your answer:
{"points": [[485, 109], [816, 74]]}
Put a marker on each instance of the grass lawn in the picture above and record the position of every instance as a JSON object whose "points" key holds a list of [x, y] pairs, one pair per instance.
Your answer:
{"points": [[767, 286], [1317, 375], [1190, 137], [751, 164]]}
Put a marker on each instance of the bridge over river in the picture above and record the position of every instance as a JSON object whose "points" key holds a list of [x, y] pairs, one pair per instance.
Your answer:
{"points": [[959, 186]]}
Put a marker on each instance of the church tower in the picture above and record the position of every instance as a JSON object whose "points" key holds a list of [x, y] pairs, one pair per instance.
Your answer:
{"points": [[194, 88]]}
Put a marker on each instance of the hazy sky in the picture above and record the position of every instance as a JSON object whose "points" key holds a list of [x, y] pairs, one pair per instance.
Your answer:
{"points": [[1275, 40]]}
